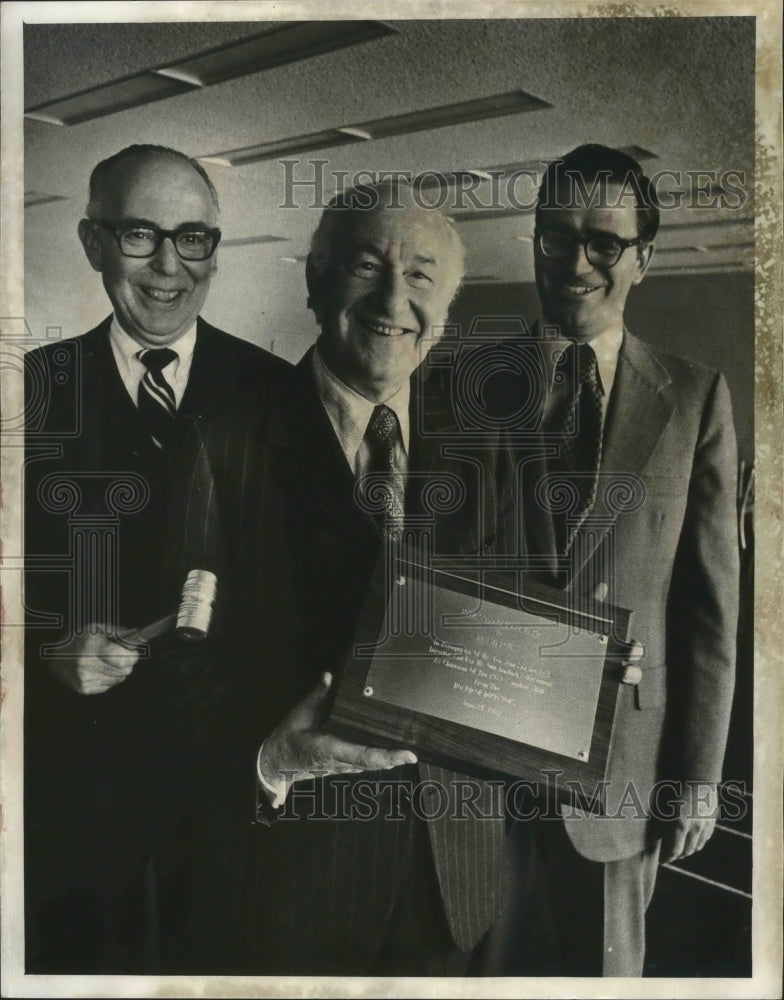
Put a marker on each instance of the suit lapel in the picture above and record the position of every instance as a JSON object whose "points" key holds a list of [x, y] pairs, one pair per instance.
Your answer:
{"points": [[312, 459], [211, 372], [640, 408]]}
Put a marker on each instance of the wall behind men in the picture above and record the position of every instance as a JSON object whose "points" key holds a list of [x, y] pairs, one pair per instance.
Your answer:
{"points": [[704, 317]]}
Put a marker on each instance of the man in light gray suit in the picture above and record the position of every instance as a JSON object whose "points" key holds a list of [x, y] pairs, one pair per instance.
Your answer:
{"points": [[647, 445]]}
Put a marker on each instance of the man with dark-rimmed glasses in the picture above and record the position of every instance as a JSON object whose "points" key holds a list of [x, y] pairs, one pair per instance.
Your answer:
{"points": [[636, 502], [107, 726]]}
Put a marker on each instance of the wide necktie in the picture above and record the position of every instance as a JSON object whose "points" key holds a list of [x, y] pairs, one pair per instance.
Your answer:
{"points": [[385, 483], [578, 426], [157, 404]]}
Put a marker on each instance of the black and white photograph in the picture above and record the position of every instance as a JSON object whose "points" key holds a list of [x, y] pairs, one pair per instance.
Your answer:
{"points": [[392, 499]]}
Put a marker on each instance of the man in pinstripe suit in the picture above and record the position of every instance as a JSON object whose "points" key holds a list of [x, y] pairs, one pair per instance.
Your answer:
{"points": [[347, 876]]}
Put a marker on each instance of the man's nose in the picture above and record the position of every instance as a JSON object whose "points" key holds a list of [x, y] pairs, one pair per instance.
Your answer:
{"points": [[578, 259], [392, 295], [166, 260]]}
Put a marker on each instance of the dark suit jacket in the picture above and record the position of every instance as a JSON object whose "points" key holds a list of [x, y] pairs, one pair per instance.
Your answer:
{"points": [[663, 536], [95, 493], [271, 499]]}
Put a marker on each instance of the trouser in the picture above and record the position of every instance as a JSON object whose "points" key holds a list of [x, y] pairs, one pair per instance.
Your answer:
{"points": [[566, 915], [418, 941]]}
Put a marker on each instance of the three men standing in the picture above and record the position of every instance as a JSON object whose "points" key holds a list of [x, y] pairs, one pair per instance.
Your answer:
{"points": [[273, 496]]}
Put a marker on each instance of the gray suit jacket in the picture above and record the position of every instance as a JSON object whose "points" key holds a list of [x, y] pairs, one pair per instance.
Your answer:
{"points": [[663, 536]]}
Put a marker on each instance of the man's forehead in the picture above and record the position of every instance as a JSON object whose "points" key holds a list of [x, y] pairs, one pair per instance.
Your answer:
{"points": [[418, 232], [160, 183], [609, 210]]}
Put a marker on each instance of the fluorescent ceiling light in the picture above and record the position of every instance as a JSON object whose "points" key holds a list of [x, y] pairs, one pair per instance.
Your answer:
{"points": [[41, 198], [246, 241], [515, 102], [285, 43]]}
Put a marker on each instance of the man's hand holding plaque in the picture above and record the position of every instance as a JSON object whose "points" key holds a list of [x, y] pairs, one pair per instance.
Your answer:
{"points": [[300, 746]]}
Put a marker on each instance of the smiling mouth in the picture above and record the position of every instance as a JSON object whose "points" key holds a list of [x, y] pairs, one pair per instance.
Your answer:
{"points": [[163, 295], [581, 290], [384, 329]]}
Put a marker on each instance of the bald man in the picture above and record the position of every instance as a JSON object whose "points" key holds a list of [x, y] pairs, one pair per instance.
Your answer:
{"points": [[106, 730]]}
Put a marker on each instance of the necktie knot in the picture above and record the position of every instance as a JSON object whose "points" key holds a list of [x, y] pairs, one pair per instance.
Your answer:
{"points": [[382, 428], [588, 368], [155, 359]]}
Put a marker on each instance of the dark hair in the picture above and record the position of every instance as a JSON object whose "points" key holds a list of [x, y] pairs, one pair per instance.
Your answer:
{"points": [[594, 161], [102, 172]]}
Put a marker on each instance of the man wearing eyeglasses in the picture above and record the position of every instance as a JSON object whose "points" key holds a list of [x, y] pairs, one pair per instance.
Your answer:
{"points": [[643, 444], [110, 725]]}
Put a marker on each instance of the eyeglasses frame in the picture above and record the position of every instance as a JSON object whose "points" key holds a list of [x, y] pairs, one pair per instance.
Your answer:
{"points": [[162, 234], [583, 241]]}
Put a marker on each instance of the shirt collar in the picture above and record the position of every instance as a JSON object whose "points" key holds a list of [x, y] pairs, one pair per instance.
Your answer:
{"points": [[349, 412], [606, 347], [127, 349]]}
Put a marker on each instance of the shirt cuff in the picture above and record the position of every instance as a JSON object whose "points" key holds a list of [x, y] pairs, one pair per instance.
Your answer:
{"points": [[276, 791]]}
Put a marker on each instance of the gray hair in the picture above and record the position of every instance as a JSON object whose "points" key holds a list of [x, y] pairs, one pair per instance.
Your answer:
{"points": [[103, 171]]}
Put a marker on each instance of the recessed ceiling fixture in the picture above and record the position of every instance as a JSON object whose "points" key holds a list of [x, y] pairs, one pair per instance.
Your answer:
{"points": [[682, 269], [246, 241], [284, 43], [481, 215], [515, 102], [678, 227], [706, 248], [41, 198], [536, 166]]}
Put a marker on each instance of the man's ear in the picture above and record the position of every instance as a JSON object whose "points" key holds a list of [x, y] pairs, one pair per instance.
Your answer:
{"points": [[91, 241], [315, 281], [644, 257]]}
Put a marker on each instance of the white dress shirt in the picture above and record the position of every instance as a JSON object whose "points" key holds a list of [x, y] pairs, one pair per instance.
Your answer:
{"points": [[350, 413], [126, 354]]}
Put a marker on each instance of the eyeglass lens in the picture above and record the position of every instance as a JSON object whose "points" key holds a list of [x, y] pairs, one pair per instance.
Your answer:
{"points": [[140, 241], [600, 250]]}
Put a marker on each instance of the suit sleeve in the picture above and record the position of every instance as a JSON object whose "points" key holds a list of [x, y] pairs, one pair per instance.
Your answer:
{"points": [[706, 582]]}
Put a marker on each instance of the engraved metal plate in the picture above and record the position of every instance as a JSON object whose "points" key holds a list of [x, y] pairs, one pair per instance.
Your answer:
{"points": [[494, 668]]}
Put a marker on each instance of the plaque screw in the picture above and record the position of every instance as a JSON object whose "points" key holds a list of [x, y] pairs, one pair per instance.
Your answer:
{"points": [[581, 754], [368, 692], [603, 639], [401, 581]]}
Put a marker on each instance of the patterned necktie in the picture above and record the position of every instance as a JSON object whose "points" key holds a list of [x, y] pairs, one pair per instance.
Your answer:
{"points": [[157, 405], [579, 430], [385, 480]]}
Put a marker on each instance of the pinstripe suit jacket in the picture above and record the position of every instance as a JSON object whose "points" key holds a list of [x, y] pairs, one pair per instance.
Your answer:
{"points": [[270, 506]]}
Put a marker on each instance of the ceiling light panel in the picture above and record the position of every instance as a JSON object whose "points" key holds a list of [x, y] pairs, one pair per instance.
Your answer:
{"points": [[41, 198], [287, 43], [144, 88], [515, 102], [246, 241]]}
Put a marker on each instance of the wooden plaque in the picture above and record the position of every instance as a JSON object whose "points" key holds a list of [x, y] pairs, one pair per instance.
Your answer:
{"points": [[485, 676]]}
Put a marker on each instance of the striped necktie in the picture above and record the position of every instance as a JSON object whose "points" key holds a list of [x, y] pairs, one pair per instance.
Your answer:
{"points": [[579, 426], [157, 405], [385, 478]]}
